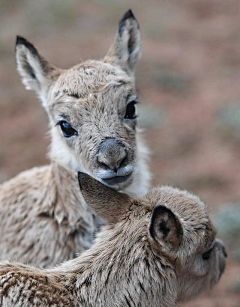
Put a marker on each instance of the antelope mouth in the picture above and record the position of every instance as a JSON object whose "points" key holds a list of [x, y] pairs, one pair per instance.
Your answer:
{"points": [[117, 180]]}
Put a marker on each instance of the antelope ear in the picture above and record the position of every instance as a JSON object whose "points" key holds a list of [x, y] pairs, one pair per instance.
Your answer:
{"points": [[35, 71], [165, 227], [107, 203], [126, 49]]}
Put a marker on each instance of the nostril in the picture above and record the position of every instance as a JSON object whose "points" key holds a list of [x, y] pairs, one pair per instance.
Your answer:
{"points": [[122, 160], [224, 252], [102, 162]]}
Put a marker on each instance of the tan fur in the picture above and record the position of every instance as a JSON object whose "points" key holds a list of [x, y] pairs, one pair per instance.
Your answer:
{"points": [[44, 219], [128, 265]]}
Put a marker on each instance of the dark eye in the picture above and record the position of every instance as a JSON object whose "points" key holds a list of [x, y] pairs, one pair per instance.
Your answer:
{"points": [[130, 111], [207, 254], [67, 129]]}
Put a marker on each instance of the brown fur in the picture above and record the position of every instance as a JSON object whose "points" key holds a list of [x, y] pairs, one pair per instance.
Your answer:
{"points": [[44, 219], [128, 266]]}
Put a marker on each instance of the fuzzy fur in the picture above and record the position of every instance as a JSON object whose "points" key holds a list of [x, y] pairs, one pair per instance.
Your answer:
{"points": [[128, 265], [44, 219]]}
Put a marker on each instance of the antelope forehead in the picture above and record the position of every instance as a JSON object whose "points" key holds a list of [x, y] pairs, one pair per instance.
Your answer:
{"points": [[186, 206], [94, 70], [79, 87]]}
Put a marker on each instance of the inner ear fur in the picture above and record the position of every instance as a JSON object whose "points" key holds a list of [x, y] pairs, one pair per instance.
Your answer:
{"points": [[35, 71], [107, 203], [165, 227], [126, 48]]}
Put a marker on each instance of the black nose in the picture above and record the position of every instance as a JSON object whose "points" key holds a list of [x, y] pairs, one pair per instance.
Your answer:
{"points": [[112, 154]]}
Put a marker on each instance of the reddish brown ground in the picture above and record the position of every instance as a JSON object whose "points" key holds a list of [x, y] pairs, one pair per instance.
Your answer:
{"points": [[190, 70]]}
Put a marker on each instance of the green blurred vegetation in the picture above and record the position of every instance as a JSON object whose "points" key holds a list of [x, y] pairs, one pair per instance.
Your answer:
{"points": [[227, 222]]}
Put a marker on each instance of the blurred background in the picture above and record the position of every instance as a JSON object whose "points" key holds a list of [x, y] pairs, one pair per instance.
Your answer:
{"points": [[189, 88]]}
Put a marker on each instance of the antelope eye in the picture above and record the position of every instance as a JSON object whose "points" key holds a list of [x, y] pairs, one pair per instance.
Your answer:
{"points": [[207, 254], [130, 110], [67, 129]]}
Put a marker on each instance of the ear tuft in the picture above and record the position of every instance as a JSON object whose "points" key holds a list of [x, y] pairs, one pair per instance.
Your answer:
{"points": [[127, 46], [37, 74], [22, 41], [165, 226], [127, 15]]}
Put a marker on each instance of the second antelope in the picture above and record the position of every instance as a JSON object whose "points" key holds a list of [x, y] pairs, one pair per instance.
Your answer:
{"points": [[154, 251]]}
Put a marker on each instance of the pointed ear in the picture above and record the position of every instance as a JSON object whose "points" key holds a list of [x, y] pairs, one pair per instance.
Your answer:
{"points": [[107, 203], [165, 227], [127, 46], [36, 72]]}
